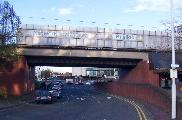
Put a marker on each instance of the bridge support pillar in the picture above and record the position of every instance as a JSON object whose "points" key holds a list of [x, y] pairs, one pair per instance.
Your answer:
{"points": [[143, 74], [17, 79]]}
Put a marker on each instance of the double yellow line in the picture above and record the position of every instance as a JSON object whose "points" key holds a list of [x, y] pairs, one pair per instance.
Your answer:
{"points": [[140, 112]]}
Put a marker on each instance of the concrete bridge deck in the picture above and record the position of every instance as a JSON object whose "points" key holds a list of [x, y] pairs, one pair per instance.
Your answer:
{"points": [[83, 57], [85, 53]]}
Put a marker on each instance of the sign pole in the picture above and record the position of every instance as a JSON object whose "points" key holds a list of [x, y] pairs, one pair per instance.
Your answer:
{"points": [[173, 70]]}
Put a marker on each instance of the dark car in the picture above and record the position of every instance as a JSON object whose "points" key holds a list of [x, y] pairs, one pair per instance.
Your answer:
{"points": [[57, 84], [55, 93], [43, 96]]}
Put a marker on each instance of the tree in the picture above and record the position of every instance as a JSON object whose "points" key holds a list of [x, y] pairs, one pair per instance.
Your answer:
{"points": [[46, 73], [9, 31], [177, 29]]}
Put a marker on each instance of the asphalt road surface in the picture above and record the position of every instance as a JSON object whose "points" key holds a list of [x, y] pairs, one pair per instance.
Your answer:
{"points": [[79, 102]]}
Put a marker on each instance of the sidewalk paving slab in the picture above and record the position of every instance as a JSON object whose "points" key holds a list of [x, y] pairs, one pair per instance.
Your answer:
{"points": [[10, 102]]}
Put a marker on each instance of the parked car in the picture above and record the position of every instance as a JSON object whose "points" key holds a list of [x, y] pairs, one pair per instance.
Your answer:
{"points": [[58, 83], [90, 82], [55, 93], [43, 96], [57, 87]]}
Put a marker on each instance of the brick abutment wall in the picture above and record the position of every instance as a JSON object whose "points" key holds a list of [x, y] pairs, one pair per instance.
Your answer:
{"points": [[144, 92], [143, 74], [17, 80]]}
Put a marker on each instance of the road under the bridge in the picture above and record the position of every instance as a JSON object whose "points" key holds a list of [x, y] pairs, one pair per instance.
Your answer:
{"points": [[79, 102]]}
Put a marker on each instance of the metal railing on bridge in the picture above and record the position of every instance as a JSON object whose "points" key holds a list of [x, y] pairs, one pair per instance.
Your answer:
{"points": [[93, 37]]}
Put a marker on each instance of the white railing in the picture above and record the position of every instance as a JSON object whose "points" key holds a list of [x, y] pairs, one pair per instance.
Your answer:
{"points": [[94, 37]]}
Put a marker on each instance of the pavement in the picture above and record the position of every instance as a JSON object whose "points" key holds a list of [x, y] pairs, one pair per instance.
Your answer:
{"points": [[178, 93], [11, 102], [161, 115], [157, 113]]}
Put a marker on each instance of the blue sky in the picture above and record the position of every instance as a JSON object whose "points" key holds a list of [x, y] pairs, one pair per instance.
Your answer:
{"points": [[147, 13]]}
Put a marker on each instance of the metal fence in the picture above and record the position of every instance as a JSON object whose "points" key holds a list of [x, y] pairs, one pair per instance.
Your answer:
{"points": [[53, 35]]}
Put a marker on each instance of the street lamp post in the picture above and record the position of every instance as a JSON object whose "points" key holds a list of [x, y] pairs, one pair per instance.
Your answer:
{"points": [[173, 70]]}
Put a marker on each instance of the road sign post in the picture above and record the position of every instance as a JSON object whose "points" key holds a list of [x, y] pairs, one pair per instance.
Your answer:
{"points": [[173, 71]]}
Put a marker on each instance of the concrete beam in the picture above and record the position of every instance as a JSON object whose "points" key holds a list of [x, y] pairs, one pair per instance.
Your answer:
{"points": [[80, 61], [85, 53]]}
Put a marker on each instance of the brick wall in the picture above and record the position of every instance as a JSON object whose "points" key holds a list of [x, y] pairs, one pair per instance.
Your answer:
{"points": [[15, 80], [143, 83], [142, 74], [147, 93]]}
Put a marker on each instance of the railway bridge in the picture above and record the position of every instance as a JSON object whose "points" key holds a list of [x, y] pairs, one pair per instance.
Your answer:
{"points": [[140, 55]]}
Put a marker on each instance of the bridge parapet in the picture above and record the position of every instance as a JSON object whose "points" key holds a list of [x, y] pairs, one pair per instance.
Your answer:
{"points": [[52, 35]]}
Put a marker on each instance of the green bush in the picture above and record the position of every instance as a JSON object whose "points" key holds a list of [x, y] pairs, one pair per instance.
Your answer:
{"points": [[8, 54]]}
